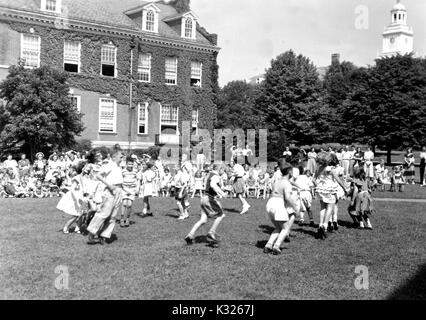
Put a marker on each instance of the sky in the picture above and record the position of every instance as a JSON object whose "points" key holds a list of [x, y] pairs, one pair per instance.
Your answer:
{"points": [[253, 32]]}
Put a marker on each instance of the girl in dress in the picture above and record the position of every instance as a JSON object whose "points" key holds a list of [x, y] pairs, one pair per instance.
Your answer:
{"points": [[409, 166], [361, 206], [398, 180], [166, 183], [198, 184], [281, 202], [327, 182], [73, 201], [39, 166], [312, 163], [148, 177]]}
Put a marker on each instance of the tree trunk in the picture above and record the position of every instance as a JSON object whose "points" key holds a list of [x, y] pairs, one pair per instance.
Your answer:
{"points": [[389, 157]]}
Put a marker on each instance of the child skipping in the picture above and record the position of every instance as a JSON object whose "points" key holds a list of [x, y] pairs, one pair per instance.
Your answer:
{"points": [[279, 206], [130, 187], [210, 206]]}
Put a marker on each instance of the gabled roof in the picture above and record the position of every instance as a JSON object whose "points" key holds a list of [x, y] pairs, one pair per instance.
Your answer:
{"points": [[108, 12], [181, 15], [145, 6]]}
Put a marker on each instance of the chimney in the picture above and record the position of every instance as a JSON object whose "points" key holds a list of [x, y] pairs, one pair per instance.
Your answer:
{"points": [[335, 58]]}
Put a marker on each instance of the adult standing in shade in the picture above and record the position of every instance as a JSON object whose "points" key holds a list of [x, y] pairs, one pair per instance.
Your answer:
{"points": [[312, 162], [422, 167], [346, 158], [409, 166]]}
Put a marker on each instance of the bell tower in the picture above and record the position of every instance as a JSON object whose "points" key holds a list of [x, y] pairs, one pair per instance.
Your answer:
{"points": [[398, 37]]}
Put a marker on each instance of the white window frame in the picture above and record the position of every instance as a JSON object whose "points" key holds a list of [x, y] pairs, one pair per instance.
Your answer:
{"points": [[39, 49], [43, 6], [108, 62], [79, 55], [145, 11], [114, 118], [168, 73], [145, 108], [194, 124], [200, 77], [142, 69], [168, 123], [194, 27], [78, 101]]}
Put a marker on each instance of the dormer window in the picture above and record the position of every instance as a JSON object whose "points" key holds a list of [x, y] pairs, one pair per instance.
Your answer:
{"points": [[189, 25], [51, 6], [150, 18], [188, 28]]}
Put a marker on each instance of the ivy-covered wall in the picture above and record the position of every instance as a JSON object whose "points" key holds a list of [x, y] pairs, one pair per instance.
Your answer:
{"points": [[90, 79]]}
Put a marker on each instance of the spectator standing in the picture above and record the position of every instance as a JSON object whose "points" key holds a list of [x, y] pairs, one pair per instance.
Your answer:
{"points": [[23, 166], [409, 166], [422, 167], [312, 162]]}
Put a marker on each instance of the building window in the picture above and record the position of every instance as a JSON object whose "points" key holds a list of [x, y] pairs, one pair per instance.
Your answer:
{"points": [[144, 67], [76, 102], [107, 115], [108, 60], [143, 118], [169, 119], [30, 50], [171, 71], [72, 56], [51, 5], [194, 121], [196, 74], [150, 21], [188, 28]]}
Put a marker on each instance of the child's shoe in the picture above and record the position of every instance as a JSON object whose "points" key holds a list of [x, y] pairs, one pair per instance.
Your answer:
{"points": [[369, 226], [127, 223], [122, 224]]}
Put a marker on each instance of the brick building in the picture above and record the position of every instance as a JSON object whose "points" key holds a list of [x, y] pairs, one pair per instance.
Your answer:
{"points": [[137, 69]]}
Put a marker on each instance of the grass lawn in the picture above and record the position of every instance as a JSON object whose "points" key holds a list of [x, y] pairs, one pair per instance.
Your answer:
{"points": [[150, 260], [410, 192]]}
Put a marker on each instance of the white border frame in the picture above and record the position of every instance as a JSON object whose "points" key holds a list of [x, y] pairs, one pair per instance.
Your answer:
{"points": [[79, 55], [115, 116], [115, 60], [150, 67], [177, 120], [39, 48], [146, 119]]}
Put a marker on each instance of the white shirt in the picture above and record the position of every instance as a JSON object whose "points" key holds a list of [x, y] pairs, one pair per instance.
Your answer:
{"points": [[287, 153], [369, 155], [10, 164], [422, 155], [304, 182], [239, 170], [112, 172]]}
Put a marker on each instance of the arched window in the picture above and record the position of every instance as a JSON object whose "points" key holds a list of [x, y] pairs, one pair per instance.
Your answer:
{"points": [[188, 28], [150, 20], [395, 17]]}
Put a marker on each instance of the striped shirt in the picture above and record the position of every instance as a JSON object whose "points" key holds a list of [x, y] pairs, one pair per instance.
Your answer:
{"points": [[130, 179]]}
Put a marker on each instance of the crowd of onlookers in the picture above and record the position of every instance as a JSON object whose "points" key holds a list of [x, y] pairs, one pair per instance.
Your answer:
{"points": [[379, 175], [51, 176]]}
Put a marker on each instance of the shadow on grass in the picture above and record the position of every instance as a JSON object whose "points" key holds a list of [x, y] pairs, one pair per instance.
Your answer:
{"points": [[232, 210], [200, 239], [413, 289], [267, 229], [261, 244], [347, 224], [308, 232]]}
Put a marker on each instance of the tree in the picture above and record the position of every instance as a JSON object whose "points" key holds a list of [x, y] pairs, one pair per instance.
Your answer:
{"points": [[38, 115], [337, 84], [236, 107], [387, 107], [181, 5], [289, 93]]}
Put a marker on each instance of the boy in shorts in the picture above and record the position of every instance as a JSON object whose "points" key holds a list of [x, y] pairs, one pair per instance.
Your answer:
{"points": [[130, 187], [210, 207], [182, 180]]}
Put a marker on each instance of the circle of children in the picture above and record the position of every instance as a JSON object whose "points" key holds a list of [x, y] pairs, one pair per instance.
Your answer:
{"points": [[96, 186]]}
